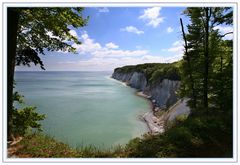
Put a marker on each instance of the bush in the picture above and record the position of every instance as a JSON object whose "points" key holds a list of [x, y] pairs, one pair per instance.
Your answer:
{"points": [[26, 118]]}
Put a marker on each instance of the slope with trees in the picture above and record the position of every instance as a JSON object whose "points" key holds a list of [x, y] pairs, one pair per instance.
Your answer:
{"points": [[206, 78]]}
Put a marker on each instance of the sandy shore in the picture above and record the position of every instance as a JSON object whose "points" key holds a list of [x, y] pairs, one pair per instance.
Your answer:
{"points": [[155, 125]]}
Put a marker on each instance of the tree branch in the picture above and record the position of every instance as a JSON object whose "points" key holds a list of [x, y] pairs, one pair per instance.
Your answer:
{"points": [[226, 34]]}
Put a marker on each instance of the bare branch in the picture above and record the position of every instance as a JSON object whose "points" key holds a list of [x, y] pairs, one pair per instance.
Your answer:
{"points": [[226, 34]]}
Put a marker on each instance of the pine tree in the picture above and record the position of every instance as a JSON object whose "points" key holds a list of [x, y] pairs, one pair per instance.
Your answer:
{"points": [[209, 56]]}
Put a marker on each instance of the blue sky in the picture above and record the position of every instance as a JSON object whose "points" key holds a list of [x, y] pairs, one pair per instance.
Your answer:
{"points": [[117, 36]]}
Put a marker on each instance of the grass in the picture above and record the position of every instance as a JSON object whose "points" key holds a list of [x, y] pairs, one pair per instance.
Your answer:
{"points": [[43, 146], [199, 135]]}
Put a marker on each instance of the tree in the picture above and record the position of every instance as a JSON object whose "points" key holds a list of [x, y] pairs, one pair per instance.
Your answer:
{"points": [[192, 60], [209, 56], [189, 68], [31, 31], [207, 14]]}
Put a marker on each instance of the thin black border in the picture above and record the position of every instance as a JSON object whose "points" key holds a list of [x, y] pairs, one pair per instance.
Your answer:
{"points": [[146, 4]]}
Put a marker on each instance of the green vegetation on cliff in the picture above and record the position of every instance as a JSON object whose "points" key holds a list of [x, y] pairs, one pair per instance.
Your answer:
{"points": [[154, 72]]}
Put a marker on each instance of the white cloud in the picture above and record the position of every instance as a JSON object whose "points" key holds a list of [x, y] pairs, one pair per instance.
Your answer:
{"points": [[225, 29], [111, 45], [89, 46], [73, 33], [99, 64], [119, 53], [178, 43], [103, 10], [109, 56], [64, 52], [152, 16], [50, 34], [132, 29], [169, 30], [177, 47]]}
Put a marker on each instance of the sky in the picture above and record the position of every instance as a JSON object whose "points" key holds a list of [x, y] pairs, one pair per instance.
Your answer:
{"points": [[116, 37]]}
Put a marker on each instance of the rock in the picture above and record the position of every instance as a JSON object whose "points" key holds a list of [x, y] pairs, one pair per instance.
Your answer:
{"points": [[125, 77], [138, 81], [156, 109], [163, 94]]}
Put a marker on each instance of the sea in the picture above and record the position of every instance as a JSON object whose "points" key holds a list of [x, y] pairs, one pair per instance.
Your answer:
{"points": [[84, 108]]}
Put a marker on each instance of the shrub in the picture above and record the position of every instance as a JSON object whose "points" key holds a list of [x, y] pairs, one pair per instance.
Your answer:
{"points": [[25, 118]]}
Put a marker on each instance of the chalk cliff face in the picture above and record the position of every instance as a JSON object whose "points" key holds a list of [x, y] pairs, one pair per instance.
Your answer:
{"points": [[124, 77], [163, 93], [138, 81]]}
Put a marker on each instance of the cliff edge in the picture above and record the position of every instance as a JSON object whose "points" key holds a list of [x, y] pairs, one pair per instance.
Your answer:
{"points": [[158, 83]]}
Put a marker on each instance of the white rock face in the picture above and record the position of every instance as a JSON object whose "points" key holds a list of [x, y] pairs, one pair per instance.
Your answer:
{"points": [[162, 94], [165, 92], [138, 81], [125, 77]]}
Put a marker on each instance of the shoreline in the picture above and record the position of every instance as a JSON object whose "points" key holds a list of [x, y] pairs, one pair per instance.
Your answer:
{"points": [[155, 125]]}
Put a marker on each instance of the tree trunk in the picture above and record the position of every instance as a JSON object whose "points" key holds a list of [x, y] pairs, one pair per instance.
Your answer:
{"points": [[222, 85], [206, 59], [12, 26], [189, 66]]}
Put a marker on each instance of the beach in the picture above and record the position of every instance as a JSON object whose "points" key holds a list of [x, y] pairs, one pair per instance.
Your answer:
{"points": [[155, 124]]}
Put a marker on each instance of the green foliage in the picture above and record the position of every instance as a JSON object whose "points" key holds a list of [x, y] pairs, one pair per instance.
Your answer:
{"points": [[210, 60], [46, 28], [167, 72], [197, 136], [154, 72], [25, 118]]}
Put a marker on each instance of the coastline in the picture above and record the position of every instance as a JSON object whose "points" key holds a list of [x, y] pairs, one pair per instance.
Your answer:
{"points": [[155, 124]]}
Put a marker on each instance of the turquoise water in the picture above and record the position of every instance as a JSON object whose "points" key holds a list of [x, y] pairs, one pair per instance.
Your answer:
{"points": [[84, 108]]}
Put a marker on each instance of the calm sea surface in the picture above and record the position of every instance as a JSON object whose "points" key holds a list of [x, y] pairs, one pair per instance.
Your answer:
{"points": [[84, 108]]}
